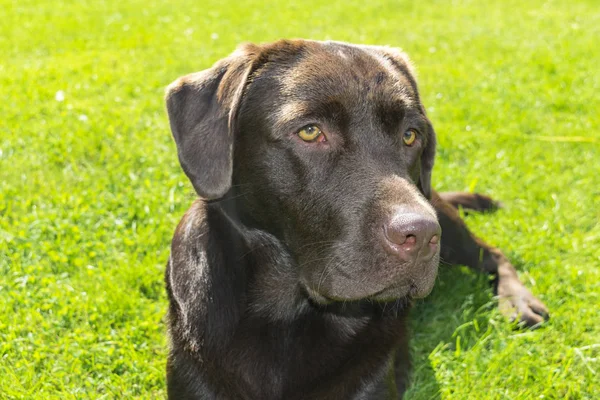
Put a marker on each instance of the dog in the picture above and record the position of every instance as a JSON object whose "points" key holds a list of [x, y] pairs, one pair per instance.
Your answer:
{"points": [[291, 276]]}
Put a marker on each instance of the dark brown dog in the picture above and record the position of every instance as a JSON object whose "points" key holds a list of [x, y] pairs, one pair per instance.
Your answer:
{"points": [[291, 277]]}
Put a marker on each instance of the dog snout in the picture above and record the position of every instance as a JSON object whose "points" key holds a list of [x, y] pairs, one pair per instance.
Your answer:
{"points": [[408, 234]]}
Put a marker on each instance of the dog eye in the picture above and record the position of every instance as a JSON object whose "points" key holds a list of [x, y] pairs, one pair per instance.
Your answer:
{"points": [[311, 133], [409, 137]]}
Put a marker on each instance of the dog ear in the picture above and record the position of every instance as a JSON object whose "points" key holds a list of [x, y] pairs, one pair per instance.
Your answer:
{"points": [[401, 62], [427, 160], [202, 110]]}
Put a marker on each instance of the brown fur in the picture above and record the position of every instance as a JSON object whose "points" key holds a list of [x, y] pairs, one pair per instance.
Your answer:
{"points": [[281, 281]]}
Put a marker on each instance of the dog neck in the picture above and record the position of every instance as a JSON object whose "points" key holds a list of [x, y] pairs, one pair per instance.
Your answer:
{"points": [[260, 308]]}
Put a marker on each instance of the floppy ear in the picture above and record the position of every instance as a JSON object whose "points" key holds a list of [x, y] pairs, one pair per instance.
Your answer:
{"points": [[401, 62], [427, 160], [202, 111]]}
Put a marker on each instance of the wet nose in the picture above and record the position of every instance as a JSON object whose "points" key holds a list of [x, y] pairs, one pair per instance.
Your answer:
{"points": [[408, 234]]}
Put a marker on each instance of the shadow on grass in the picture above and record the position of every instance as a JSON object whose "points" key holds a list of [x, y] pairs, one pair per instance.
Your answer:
{"points": [[459, 297]]}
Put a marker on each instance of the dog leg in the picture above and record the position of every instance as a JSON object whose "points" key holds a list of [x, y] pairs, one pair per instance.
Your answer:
{"points": [[470, 201], [460, 246]]}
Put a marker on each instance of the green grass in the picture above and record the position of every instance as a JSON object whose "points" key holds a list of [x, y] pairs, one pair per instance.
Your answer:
{"points": [[91, 190]]}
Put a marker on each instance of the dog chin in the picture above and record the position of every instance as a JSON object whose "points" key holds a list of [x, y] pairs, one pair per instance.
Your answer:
{"points": [[413, 289], [392, 294], [317, 297], [407, 291]]}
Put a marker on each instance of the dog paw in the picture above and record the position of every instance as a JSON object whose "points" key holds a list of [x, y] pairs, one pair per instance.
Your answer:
{"points": [[517, 303]]}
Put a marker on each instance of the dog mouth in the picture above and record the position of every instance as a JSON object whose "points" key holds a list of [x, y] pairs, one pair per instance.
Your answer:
{"points": [[317, 297], [407, 291], [377, 285], [411, 290]]}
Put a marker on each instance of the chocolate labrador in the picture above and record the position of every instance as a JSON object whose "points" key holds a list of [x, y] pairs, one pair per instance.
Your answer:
{"points": [[292, 275]]}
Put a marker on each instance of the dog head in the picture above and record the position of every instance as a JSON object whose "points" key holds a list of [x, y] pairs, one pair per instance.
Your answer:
{"points": [[325, 146]]}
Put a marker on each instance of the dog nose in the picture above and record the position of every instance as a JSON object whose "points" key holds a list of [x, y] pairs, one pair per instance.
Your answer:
{"points": [[407, 233]]}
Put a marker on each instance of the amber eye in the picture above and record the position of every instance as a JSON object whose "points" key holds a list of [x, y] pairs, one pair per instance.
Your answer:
{"points": [[409, 137], [310, 133]]}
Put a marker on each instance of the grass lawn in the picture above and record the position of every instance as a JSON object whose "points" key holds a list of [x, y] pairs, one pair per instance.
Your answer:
{"points": [[91, 190]]}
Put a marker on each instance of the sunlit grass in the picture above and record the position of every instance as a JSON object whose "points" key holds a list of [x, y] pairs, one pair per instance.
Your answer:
{"points": [[90, 187]]}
